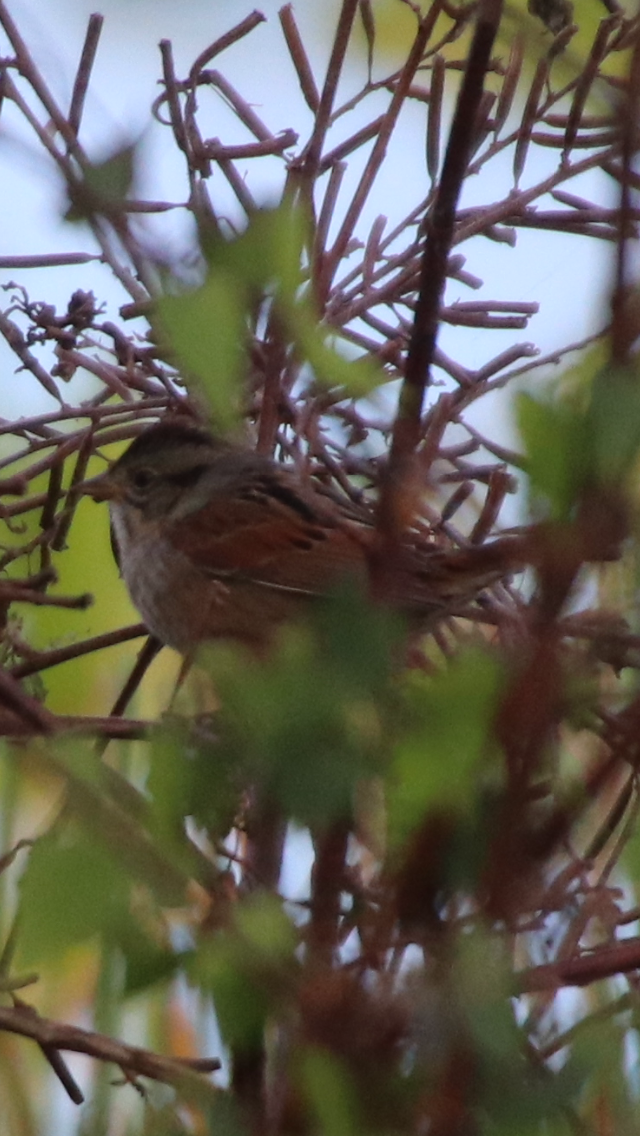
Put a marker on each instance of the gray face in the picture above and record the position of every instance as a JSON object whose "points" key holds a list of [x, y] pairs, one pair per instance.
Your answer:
{"points": [[170, 472], [162, 466]]}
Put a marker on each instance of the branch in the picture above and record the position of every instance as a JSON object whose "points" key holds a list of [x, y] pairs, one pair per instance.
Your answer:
{"points": [[440, 232], [592, 966], [41, 660], [50, 1035]]}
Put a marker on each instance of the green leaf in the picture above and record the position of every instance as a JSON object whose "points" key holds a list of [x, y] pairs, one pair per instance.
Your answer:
{"points": [[556, 440], [585, 434], [112, 178], [190, 775], [598, 1061], [483, 982], [614, 423], [331, 369], [242, 1004], [267, 932], [92, 791], [205, 332], [516, 1097], [274, 247], [446, 740], [246, 969], [330, 1093], [168, 782], [146, 962], [72, 889], [104, 186], [630, 859], [308, 727], [268, 254]]}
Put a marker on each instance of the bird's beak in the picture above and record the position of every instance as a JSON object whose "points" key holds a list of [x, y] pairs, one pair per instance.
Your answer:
{"points": [[101, 488]]}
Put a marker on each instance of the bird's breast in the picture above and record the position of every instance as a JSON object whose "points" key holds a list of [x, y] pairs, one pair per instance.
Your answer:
{"points": [[163, 584]]}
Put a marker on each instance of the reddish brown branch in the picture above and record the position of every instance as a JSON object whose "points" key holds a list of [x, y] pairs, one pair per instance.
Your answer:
{"points": [[440, 228], [42, 660], [591, 966], [146, 655]]}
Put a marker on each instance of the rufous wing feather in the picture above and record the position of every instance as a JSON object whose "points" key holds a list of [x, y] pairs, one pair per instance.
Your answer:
{"points": [[279, 537]]}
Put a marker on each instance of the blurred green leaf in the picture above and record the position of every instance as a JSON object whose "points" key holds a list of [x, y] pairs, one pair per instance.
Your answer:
{"points": [[190, 774], [165, 868], [597, 1063], [483, 980], [104, 186], [331, 369], [517, 1096], [242, 1005], [205, 330], [614, 423], [145, 962], [583, 433], [330, 1093], [630, 857], [268, 254], [446, 740], [72, 889], [224, 1117], [247, 968], [112, 178], [161, 1119], [360, 641], [274, 251], [556, 441], [265, 930], [168, 782], [309, 726]]}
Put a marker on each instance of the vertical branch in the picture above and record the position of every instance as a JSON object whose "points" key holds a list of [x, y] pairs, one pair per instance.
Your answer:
{"points": [[440, 229], [327, 883], [624, 330], [265, 835], [265, 829]]}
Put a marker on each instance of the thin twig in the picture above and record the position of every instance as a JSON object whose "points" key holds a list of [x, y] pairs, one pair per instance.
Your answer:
{"points": [[42, 660], [87, 59]]}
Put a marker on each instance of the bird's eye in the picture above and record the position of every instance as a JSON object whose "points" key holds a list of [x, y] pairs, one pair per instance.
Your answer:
{"points": [[141, 479]]}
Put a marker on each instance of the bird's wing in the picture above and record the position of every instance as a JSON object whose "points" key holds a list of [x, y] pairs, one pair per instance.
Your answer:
{"points": [[448, 577], [270, 531]]}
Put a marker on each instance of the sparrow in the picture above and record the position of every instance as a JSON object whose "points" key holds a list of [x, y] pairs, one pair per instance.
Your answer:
{"points": [[215, 541]]}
